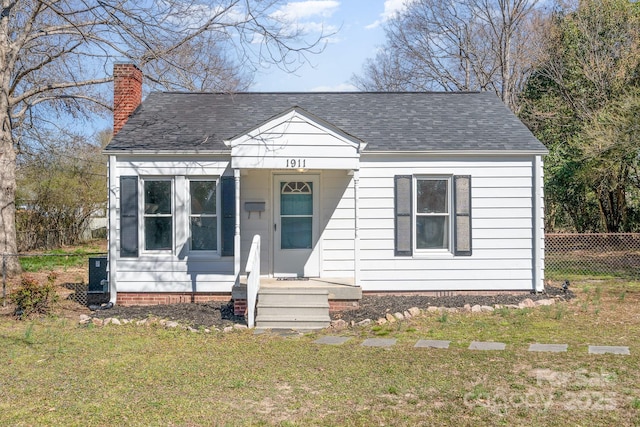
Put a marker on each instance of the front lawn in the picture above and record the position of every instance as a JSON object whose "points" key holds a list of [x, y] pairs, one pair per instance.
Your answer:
{"points": [[54, 371]]}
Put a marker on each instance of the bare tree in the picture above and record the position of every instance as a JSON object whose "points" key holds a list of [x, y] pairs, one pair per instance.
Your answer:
{"points": [[457, 45], [55, 54]]}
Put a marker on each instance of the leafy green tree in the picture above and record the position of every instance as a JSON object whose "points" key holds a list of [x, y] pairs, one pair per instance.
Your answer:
{"points": [[574, 102]]}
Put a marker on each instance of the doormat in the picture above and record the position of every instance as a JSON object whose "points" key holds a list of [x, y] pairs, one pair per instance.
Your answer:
{"points": [[291, 278]]}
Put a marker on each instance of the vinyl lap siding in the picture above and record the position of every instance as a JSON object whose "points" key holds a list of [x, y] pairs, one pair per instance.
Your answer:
{"points": [[337, 224], [501, 222], [175, 270]]}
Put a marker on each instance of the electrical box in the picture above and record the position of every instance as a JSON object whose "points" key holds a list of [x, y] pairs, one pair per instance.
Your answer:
{"points": [[98, 283]]}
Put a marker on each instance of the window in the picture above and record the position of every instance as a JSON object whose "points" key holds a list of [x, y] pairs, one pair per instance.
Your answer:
{"points": [[436, 215], [432, 213], [208, 222], [296, 215], [158, 215], [203, 216]]}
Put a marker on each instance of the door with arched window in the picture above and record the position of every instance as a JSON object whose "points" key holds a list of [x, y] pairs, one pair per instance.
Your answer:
{"points": [[295, 226]]}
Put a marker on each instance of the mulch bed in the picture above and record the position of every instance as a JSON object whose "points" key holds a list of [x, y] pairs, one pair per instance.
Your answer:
{"points": [[219, 315]]}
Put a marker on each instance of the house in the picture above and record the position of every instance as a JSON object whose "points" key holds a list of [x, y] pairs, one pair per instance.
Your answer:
{"points": [[430, 193]]}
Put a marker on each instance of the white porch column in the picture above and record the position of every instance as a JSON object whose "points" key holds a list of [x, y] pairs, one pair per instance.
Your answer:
{"points": [[356, 228], [236, 233], [112, 230]]}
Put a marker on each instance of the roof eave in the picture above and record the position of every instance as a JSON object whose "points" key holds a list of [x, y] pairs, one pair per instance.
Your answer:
{"points": [[462, 152], [166, 153]]}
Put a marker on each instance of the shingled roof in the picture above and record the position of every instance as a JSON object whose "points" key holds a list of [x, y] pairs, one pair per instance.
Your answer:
{"points": [[408, 121]]}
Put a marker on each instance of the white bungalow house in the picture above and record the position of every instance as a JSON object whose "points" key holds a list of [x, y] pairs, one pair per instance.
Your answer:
{"points": [[349, 193]]}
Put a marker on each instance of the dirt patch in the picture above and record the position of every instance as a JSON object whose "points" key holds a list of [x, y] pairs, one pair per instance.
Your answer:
{"points": [[219, 315]]}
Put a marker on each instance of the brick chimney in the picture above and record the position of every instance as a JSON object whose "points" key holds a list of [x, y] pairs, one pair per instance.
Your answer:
{"points": [[127, 93]]}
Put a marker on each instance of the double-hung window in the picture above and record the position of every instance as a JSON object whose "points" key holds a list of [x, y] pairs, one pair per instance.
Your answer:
{"points": [[203, 219], [173, 207], [158, 214], [432, 215]]}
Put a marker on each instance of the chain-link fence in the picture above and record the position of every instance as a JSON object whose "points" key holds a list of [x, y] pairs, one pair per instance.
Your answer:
{"points": [[596, 256], [592, 256]]}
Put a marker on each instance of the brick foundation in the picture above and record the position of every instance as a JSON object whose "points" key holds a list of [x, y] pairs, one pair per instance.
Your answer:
{"points": [[239, 307], [343, 305], [149, 298]]}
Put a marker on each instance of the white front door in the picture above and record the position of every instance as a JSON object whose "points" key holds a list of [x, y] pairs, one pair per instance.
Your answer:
{"points": [[296, 226]]}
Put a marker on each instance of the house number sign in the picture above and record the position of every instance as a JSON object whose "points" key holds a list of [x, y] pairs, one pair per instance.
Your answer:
{"points": [[297, 163]]}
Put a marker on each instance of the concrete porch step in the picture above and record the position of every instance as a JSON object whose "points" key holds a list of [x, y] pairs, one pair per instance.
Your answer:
{"points": [[291, 296], [271, 311], [292, 307], [297, 323]]}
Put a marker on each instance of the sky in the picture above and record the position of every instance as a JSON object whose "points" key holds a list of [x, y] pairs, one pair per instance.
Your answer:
{"points": [[358, 28], [358, 34]]}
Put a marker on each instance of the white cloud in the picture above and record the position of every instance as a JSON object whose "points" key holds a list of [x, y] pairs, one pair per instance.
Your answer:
{"points": [[297, 11], [391, 7], [309, 16], [342, 87]]}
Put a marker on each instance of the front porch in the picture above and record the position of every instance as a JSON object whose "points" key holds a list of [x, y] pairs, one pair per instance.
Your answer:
{"points": [[297, 303]]}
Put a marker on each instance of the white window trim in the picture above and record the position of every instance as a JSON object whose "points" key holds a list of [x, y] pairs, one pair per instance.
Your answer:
{"points": [[142, 215], [448, 251]]}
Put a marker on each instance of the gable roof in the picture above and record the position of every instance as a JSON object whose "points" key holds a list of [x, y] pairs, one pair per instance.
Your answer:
{"points": [[385, 121]]}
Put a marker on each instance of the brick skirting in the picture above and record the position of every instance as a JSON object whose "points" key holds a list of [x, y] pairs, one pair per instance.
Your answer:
{"points": [[150, 298], [343, 304], [240, 305]]}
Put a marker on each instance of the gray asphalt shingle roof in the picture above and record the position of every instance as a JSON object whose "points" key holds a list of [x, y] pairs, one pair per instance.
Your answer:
{"points": [[170, 121]]}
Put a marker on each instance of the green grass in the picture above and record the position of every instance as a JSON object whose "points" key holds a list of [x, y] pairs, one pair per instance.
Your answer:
{"points": [[60, 259], [56, 372]]}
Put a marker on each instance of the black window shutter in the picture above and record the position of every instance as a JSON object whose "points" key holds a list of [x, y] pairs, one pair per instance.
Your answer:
{"points": [[128, 216], [462, 218], [228, 209], [403, 215]]}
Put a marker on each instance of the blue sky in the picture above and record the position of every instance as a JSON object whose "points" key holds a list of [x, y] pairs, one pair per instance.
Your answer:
{"points": [[358, 27], [358, 33]]}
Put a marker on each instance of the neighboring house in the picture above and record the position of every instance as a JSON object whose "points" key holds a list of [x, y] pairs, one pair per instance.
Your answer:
{"points": [[432, 193]]}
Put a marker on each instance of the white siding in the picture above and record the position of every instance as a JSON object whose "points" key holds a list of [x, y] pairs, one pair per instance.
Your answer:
{"points": [[502, 222], [337, 224], [295, 141], [176, 270], [255, 186]]}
